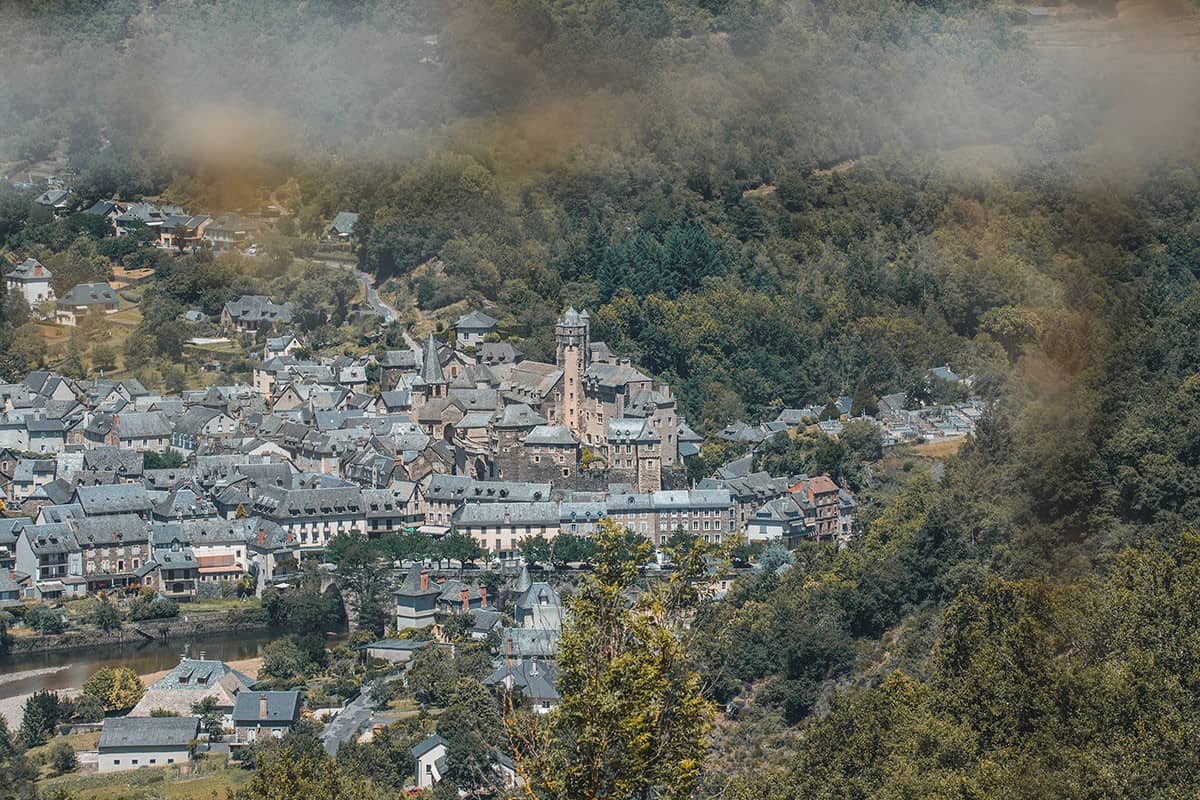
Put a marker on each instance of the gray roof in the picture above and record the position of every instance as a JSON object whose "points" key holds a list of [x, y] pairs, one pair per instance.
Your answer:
{"points": [[519, 415], [114, 498], [615, 376], [28, 270], [551, 435], [631, 431], [281, 707], [50, 537], [86, 294], [103, 531], [533, 679], [143, 425], [429, 744], [134, 732], [115, 459], [494, 514], [498, 353], [195, 673], [52, 197], [411, 585], [257, 307], [279, 503], [475, 320], [343, 222], [431, 366]]}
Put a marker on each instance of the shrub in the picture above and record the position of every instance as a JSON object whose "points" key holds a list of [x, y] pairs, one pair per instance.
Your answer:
{"points": [[62, 758], [44, 619]]}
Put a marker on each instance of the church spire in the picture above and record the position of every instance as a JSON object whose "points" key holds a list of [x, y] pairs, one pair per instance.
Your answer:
{"points": [[431, 366]]}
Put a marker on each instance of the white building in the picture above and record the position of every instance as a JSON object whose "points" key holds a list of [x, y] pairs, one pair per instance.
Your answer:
{"points": [[430, 756], [31, 280], [136, 742]]}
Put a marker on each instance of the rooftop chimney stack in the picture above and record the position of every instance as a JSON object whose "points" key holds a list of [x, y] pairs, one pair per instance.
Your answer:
{"points": [[466, 600], [262, 706], [424, 580]]}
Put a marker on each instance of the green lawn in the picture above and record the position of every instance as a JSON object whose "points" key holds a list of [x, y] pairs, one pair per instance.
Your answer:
{"points": [[206, 779]]}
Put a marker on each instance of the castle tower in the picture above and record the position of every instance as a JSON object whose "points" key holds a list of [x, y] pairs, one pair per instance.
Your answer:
{"points": [[571, 334]]}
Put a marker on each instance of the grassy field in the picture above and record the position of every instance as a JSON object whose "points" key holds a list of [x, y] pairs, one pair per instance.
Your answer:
{"points": [[199, 781], [940, 450], [78, 741]]}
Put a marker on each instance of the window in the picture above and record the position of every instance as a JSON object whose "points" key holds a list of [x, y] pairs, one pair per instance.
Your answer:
{"points": [[116, 761], [170, 761], [154, 761], [133, 761]]}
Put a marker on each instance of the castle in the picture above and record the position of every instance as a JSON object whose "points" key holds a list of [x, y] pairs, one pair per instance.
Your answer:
{"points": [[542, 420]]}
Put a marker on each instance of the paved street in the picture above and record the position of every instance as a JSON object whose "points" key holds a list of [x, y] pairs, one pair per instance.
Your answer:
{"points": [[349, 723], [388, 313]]}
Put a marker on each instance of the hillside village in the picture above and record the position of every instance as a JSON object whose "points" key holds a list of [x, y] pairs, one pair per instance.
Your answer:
{"points": [[471, 461]]}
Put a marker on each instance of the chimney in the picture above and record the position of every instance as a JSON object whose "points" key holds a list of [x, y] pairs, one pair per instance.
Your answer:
{"points": [[424, 580], [466, 601], [482, 596], [262, 536], [262, 706]]}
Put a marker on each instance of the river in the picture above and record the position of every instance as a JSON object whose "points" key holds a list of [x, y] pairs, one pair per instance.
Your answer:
{"points": [[63, 670]]}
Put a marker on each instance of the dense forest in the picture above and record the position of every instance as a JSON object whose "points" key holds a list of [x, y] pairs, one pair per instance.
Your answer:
{"points": [[767, 204]]}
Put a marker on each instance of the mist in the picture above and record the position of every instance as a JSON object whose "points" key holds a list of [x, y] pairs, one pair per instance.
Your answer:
{"points": [[231, 89]]}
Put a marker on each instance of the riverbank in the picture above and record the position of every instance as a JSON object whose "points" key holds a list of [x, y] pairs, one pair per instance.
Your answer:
{"points": [[183, 627], [11, 708]]}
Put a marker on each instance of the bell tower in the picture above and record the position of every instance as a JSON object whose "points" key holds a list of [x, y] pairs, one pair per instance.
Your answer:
{"points": [[571, 335]]}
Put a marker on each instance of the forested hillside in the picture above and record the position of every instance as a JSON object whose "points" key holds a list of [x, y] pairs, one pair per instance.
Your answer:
{"points": [[769, 204]]}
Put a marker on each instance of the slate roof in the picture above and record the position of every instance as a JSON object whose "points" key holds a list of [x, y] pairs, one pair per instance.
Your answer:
{"points": [[116, 459], [551, 435], [143, 425], [431, 366], [498, 353], [257, 308], [399, 645], [475, 321], [28, 270], [519, 415], [631, 431], [530, 380], [195, 673], [428, 744], [52, 197], [89, 294], [136, 732], [102, 208], [343, 223], [281, 707], [614, 376], [496, 514], [531, 678], [104, 531], [411, 585], [113, 498]]}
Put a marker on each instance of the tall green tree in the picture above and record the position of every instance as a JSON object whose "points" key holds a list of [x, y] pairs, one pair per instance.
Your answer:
{"points": [[633, 719]]}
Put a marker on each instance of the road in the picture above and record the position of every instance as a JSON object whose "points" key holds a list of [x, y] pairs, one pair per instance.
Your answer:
{"points": [[349, 723], [389, 314]]}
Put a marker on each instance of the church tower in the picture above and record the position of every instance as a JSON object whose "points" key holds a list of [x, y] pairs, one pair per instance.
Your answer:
{"points": [[432, 377], [571, 335]]}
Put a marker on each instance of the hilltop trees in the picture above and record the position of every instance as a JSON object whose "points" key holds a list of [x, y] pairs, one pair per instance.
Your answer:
{"points": [[632, 717]]}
